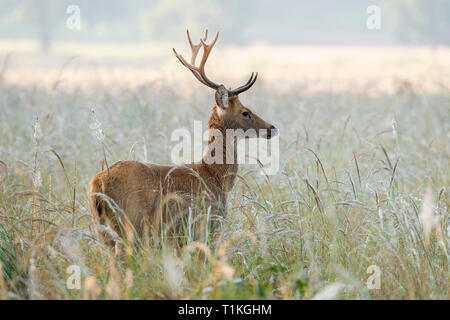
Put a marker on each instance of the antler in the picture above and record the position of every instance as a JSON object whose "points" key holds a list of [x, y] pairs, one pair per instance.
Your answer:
{"points": [[246, 86], [199, 72]]}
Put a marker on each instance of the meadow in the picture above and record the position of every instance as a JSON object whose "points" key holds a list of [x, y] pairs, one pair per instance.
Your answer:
{"points": [[362, 186]]}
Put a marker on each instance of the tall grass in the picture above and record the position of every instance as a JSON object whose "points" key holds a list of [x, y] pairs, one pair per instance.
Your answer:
{"points": [[363, 181]]}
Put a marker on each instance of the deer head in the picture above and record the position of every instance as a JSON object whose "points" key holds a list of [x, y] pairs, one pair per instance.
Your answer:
{"points": [[235, 115]]}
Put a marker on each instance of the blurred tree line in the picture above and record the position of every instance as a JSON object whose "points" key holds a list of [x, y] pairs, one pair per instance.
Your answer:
{"points": [[419, 21], [241, 22]]}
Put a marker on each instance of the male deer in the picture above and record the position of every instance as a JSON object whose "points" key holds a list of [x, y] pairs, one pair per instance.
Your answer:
{"points": [[147, 193]]}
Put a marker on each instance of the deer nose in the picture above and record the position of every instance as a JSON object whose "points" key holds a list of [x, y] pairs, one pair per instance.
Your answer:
{"points": [[272, 132]]}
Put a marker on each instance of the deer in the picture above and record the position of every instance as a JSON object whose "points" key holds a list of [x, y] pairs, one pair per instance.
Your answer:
{"points": [[145, 193]]}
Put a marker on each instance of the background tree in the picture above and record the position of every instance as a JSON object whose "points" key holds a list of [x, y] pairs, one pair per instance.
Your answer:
{"points": [[419, 21], [29, 18]]}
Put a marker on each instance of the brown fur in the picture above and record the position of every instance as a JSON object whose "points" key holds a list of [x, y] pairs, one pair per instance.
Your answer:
{"points": [[145, 191]]}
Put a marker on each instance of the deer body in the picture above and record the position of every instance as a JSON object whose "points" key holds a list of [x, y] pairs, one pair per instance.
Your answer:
{"points": [[143, 191]]}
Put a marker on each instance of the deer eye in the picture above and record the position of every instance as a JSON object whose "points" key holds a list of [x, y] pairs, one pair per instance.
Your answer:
{"points": [[246, 114]]}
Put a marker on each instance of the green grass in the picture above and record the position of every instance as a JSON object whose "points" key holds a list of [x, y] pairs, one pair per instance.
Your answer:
{"points": [[355, 167]]}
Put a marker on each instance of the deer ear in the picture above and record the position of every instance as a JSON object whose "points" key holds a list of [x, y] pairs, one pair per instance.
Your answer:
{"points": [[222, 96]]}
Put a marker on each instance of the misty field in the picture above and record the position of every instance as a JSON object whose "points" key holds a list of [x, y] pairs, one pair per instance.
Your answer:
{"points": [[362, 186]]}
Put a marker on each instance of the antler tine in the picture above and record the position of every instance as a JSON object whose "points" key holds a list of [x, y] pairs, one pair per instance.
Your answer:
{"points": [[199, 72], [206, 51], [195, 47], [249, 80], [189, 39], [187, 65], [246, 86]]}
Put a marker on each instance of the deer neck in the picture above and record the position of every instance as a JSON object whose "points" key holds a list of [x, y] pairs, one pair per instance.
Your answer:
{"points": [[223, 172]]}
